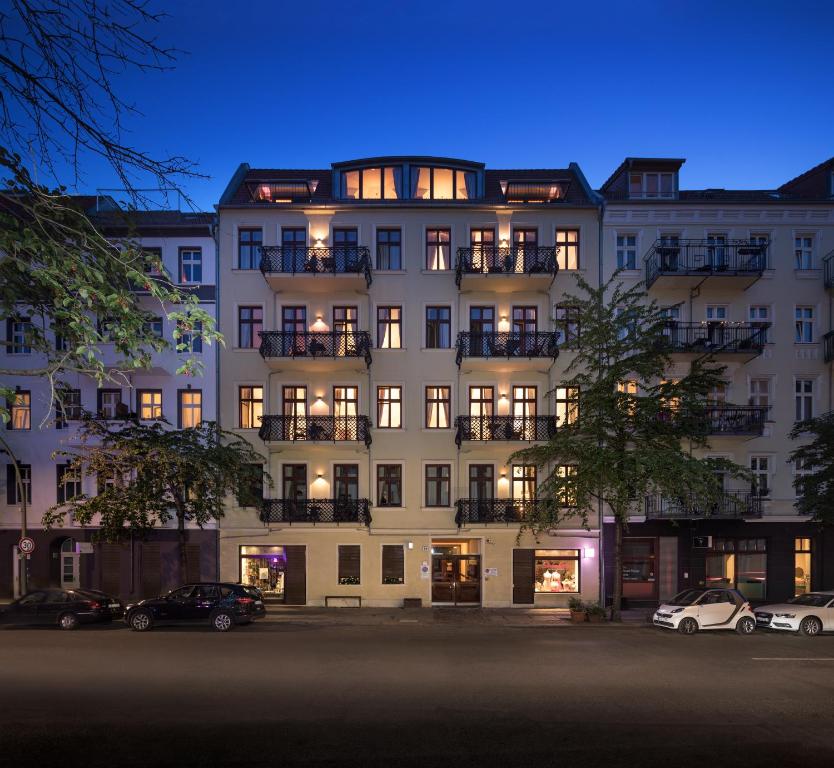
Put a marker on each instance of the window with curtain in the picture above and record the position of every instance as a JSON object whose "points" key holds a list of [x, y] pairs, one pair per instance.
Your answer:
{"points": [[67, 407], [20, 410], [191, 408], [438, 249], [567, 495], [438, 407], [372, 183], [345, 409], [389, 249], [250, 407], [524, 482], [438, 327], [437, 183], [389, 485], [191, 265], [389, 327], [389, 407], [567, 405], [567, 241]]}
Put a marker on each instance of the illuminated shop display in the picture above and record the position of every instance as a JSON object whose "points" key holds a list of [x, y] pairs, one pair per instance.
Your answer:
{"points": [[557, 570]]}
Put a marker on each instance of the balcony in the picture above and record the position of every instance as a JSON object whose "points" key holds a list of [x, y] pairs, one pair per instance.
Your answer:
{"points": [[316, 511], [504, 428], [737, 341], [724, 419], [828, 270], [828, 347], [732, 505], [512, 268], [498, 511], [689, 262], [318, 269], [490, 348], [313, 351], [316, 429]]}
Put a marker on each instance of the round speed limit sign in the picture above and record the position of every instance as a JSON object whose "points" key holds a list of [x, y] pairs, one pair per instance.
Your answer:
{"points": [[26, 545]]}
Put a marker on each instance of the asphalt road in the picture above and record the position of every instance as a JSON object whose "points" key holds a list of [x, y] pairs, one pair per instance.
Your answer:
{"points": [[296, 694]]}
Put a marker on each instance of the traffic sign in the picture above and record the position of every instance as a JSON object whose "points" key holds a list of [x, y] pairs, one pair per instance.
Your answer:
{"points": [[26, 545]]}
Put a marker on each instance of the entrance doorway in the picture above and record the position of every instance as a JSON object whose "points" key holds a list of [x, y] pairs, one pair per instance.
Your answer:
{"points": [[455, 573], [70, 572]]}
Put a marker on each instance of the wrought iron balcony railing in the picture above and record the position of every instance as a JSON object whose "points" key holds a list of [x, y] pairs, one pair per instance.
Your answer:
{"points": [[828, 347], [725, 419], [505, 344], [304, 260], [716, 337], [509, 260], [343, 510], [489, 511], [732, 505], [518, 428], [828, 270], [323, 429], [706, 258], [311, 344]]}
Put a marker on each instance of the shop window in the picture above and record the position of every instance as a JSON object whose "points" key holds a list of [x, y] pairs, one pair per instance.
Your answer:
{"points": [[639, 568], [802, 566], [557, 570], [349, 564], [264, 568], [739, 564]]}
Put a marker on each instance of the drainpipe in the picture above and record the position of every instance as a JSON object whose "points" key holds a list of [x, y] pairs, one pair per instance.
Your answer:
{"points": [[600, 510], [21, 492], [215, 231]]}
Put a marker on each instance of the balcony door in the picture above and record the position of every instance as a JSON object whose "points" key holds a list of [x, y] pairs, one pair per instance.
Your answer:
{"points": [[295, 413], [482, 244], [717, 252], [345, 326], [525, 327], [294, 326], [345, 409], [481, 329], [294, 482], [482, 488], [481, 405], [526, 243], [294, 249], [523, 486], [524, 405]]}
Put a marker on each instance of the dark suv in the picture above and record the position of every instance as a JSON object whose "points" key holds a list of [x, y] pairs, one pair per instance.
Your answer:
{"points": [[221, 606]]}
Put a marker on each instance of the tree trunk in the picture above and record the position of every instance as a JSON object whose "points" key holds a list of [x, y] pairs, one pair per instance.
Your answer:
{"points": [[616, 602], [182, 536]]}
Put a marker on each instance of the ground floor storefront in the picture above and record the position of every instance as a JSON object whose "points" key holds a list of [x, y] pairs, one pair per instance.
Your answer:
{"points": [[306, 565], [766, 561], [137, 568]]}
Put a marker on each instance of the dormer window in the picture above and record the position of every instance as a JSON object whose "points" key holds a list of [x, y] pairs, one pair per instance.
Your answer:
{"points": [[534, 191], [282, 191], [430, 183], [651, 185], [372, 184]]}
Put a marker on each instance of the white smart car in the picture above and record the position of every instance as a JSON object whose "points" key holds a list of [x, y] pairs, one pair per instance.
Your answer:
{"points": [[809, 614], [695, 609]]}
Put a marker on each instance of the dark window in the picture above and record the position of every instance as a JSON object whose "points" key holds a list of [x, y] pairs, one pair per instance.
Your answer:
{"points": [[567, 322], [389, 485], [152, 261], [153, 327], [389, 327], [250, 491], [389, 249], [438, 327], [68, 482], [346, 240], [350, 564], [346, 477], [191, 339], [67, 407], [12, 490], [191, 265], [438, 485], [294, 482], [438, 249], [481, 481], [293, 249], [18, 337], [567, 405], [249, 325], [249, 242], [393, 564]]}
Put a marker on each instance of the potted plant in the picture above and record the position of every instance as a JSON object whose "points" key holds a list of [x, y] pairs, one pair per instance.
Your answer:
{"points": [[577, 610], [596, 613]]}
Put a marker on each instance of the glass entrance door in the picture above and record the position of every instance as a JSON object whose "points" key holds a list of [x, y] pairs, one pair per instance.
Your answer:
{"points": [[456, 579]]}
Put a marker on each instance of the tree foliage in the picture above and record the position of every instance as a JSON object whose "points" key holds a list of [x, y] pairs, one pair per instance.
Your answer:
{"points": [[626, 442], [815, 485], [149, 474]]}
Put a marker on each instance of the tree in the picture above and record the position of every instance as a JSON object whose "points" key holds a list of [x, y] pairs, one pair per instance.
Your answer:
{"points": [[149, 474], [815, 484], [633, 430], [60, 109]]}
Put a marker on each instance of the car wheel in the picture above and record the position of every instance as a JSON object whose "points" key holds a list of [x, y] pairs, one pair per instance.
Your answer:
{"points": [[810, 626], [746, 626], [688, 626], [68, 621], [140, 621], [222, 621]]}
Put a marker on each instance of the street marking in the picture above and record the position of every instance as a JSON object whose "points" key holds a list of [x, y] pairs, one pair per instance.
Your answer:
{"points": [[808, 658]]}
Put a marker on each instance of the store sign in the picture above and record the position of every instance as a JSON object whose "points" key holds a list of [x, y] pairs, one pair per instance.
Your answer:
{"points": [[424, 569]]}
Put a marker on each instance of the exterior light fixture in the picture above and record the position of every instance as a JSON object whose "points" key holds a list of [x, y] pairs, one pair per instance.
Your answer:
{"points": [[588, 552], [410, 545]]}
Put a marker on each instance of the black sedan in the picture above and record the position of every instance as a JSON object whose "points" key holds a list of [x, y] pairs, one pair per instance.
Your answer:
{"points": [[221, 606], [64, 608]]}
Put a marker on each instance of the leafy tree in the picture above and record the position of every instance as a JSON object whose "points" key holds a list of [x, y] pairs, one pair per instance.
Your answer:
{"points": [[633, 430], [149, 474], [815, 487]]}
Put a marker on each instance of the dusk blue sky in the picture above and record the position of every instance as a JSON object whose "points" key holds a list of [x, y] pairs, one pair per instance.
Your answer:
{"points": [[743, 90]]}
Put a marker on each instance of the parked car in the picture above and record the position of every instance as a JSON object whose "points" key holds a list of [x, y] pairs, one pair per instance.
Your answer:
{"points": [[809, 614], [259, 606], [221, 606], [64, 608], [695, 609]]}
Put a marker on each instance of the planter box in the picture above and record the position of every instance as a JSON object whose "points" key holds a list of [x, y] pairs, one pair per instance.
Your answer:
{"points": [[578, 617], [595, 619]]}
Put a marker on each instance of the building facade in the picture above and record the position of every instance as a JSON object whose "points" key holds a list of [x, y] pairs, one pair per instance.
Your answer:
{"points": [[67, 556], [744, 276], [392, 339]]}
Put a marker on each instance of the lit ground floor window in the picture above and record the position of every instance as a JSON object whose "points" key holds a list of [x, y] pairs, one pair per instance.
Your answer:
{"points": [[264, 567], [557, 570]]}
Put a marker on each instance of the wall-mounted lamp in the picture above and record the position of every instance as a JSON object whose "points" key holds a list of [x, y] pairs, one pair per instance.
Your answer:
{"points": [[319, 475], [588, 552], [410, 545], [319, 242]]}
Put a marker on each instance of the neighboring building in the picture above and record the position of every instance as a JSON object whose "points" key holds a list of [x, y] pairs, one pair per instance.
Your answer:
{"points": [[391, 338], [66, 556], [746, 275]]}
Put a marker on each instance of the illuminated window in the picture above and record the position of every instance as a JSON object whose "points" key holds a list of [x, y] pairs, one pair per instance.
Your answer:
{"points": [[802, 566], [389, 327], [190, 408], [191, 265], [149, 402], [760, 318], [567, 322], [20, 408], [389, 407], [438, 249], [438, 407], [109, 402], [557, 570], [760, 471], [567, 241], [442, 184], [524, 482], [250, 406], [372, 184], [567, 494], [567, 405], [760, 392]]}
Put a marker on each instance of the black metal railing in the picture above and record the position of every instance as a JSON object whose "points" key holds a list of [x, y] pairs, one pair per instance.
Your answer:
{"points": [[509, 260], [725, 419], [703, 257], [507, 344], [715, 337], [302, 259], [518, 428], [489, 511], [312, 344], [344, 510], [828, 270], [828, 347], [323, 429], [732, 504]]}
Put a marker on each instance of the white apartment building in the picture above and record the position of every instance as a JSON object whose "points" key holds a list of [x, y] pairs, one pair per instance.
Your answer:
{"points": [[391, 340], [67, 556], [745, 276]]}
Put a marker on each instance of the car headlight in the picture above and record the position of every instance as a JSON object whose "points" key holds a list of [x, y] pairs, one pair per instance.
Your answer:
{"points": [[677, 610], [786, 615]]}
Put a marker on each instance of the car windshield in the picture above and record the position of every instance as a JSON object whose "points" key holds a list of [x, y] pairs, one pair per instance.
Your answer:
{"points": [[687, 597], [815, 601]]}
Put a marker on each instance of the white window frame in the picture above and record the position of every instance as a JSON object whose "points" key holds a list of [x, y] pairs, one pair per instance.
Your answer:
{"points": [[625, 248], [191, 251], [804, 398], [801, 252], [801, 324], [760, 320]]}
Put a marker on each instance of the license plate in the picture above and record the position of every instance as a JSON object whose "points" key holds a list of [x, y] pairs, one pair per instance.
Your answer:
{"points": [[259, 602], [114, 605]]}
